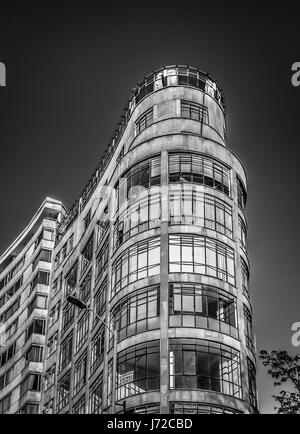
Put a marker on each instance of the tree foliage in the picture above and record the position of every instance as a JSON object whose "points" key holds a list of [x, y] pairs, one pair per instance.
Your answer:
{"points": [[285, 370]]}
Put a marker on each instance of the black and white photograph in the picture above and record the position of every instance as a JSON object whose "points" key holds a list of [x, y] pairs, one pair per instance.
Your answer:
{"points": [[149, 205]]}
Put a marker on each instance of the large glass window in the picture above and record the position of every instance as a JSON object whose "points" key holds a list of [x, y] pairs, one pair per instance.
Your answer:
{"points": [[10, 311], [37, 326], [202, 255], [252, 383], [100, 300], [63, 391], [138, 369], [144, 121], [145, 174], [67, 317], [137, 215], [96, 396], [34, 354], [199, 408], [241, 192], [245, 277], [79, 374], [38, 302], [7, 354], [137, 262], [102, 260], [194, 111], [199, 364], [199, 170], [190, 206], [66, 352], [31, 383], [137, 313], [87, 254], [195, 305], [82, 331], [42, 278], [97, 349], [43, 255], [248, 328], [242, 234], [71, 279], [85, 288]]}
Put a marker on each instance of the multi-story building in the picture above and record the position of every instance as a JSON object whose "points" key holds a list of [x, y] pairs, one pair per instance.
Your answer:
{"points": [[156, 247], [24, 291]]}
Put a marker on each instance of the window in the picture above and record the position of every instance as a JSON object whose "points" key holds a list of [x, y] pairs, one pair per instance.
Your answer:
{"points": [[242, 234], [143, 175], [136, 216], [201, 255], [48, 407], [252, 383], [96, 396], [57, 284], [63, 391], [71, 279], [141, 409], [199, 408], [248, 328], [30, 408], [11, 291], [79, 407], [12, 273], [199, 170], [5, 403], [6, 378], [85, 288], [194, 111], [11, 330], [204, 365], [49, 377], [54, 314], [48, 234], [39, 301], [31, 383], [86, 220], [144, 121], [241, 192], [66, 351], [102, 260], [100, 300], [37, 326], [137, 313], [195, 305], [102, 229], [190, 206], [52, 344], [7, 354], [67, 317], [10, 311], [82, 331], [43, 255], [137, 262], [245, 277], [34, 354], [138, 370], [79, 374], [41, 278], [97, 351], [87, 254]]}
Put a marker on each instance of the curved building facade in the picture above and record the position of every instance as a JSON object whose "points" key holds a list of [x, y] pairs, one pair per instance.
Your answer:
{"points": [[24, 294], [156, 246]]}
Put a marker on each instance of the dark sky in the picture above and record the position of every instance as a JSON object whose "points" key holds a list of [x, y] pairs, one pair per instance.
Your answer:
{"points": [[70, 69]]}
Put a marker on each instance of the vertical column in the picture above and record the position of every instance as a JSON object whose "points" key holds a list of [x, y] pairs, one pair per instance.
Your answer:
{"points": [[164, 278], [240, 305]]}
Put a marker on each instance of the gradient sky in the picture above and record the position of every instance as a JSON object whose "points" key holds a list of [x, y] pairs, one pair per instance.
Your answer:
{"points": [[70, 70]]}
